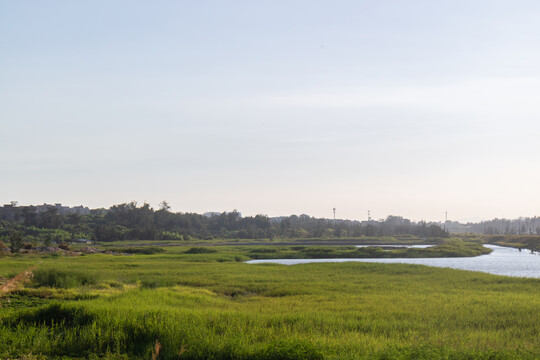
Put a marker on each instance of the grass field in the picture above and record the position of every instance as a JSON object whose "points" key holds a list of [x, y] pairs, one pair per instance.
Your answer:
{"points": [[208, 304]]}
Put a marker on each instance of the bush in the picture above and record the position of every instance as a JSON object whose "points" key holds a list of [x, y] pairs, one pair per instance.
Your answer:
{"points": [[169, 235], [144, 250], [200, 250], [64, 246], [15, 241]]}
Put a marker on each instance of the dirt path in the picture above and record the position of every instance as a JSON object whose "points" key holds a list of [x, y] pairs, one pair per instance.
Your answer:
{"points": [[17, 282]]}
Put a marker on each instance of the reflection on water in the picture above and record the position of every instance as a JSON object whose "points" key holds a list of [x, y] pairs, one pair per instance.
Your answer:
{"points": [[502, 261]]}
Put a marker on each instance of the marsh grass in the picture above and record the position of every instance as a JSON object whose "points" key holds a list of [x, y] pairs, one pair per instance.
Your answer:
{"points": [[530, 242], [65, 279], [232, 310], [450, 248], [138, 250], [200, 250]]}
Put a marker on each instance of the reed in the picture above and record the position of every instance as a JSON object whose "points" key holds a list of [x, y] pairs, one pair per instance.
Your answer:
{"points": [[210, 306]]}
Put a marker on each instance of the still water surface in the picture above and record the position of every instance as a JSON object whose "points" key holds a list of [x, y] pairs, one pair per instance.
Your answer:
{"points": [[502, 261]]}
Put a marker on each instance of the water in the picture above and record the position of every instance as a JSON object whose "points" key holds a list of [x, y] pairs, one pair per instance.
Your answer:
{"points": [[502, 261]]}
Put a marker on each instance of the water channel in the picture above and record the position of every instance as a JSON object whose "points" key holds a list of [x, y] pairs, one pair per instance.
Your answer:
{"points": [[501, 261]]}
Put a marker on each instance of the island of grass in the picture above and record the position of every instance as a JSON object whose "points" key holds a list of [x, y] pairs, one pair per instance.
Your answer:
{"points": [[445, 248]]}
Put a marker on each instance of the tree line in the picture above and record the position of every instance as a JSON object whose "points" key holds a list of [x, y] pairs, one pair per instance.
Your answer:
{"points": [[521, 226], [129, 221]]}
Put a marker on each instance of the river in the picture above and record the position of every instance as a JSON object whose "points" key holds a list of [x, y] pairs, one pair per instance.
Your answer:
{"points": [[501, 261]]}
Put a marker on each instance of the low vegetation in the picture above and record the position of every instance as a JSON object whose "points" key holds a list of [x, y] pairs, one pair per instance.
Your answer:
{"points": [[208, 304], [60, 278], [449, 248], [526, 242], [146, 250]]}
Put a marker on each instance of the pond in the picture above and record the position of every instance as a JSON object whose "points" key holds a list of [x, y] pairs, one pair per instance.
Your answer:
{"points": [[502, 261]]}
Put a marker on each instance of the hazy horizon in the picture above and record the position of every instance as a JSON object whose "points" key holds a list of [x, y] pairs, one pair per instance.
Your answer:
{"points": [[243, 214], [401, 108]]}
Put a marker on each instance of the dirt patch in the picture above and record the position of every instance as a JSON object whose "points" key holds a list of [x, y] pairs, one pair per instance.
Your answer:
{"points": [[17, 281]]}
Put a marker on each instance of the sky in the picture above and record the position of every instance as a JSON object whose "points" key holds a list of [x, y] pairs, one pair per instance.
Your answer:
{"points": [[408, 108]]}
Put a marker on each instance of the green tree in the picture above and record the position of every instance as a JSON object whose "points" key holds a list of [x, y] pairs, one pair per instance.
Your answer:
{"points": [[51, 219], [47, 240], [29, 215], [15, 241], [164, 206]]}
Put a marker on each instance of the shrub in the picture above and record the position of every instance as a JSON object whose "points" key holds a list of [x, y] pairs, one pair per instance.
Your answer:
{"points": [[144, 250], [200, 250], [64, 246], [169, 235], [15, 241]]}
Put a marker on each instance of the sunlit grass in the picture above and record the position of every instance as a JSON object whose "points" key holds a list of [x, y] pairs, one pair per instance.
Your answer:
{"points": [[214, 306]]}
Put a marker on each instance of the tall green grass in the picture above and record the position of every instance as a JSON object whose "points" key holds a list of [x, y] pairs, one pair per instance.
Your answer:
{"points": [[57, 278], [229, 310]]}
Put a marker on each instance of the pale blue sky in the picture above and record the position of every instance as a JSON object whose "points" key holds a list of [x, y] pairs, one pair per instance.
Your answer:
{"points": [[408, 108]]}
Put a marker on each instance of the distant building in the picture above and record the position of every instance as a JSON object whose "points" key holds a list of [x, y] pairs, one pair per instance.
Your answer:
{"points": [[217, 213], [81, 210], [63, 210], [8, 212], [211, 213], [11, 212]]}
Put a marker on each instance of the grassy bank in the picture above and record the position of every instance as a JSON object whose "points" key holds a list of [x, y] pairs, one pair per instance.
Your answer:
{"points": [[528, 242], [286, 241], [210, 305], [450, 248]]}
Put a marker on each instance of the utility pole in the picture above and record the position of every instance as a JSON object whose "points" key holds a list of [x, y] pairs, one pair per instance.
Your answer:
{"points": [[368, 215], [334, 209]]}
